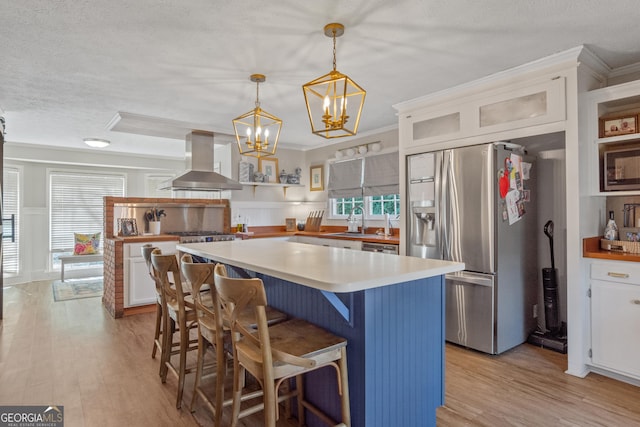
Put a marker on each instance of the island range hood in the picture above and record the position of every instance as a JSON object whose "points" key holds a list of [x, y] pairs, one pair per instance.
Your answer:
{"points": [[199, 175]]}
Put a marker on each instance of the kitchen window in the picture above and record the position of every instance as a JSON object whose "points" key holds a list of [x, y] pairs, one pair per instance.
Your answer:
{"points": [[345, 205], [374, 206], [371, 182], [76, 206], [387, 204]]}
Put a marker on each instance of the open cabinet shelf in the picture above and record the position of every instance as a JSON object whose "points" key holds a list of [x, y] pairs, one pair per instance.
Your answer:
{"points": [[269, 184], [609, 103]]}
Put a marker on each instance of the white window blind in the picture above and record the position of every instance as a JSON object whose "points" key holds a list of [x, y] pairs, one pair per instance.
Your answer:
{"points": [[345, 179], [381, 175], [11, 207], [76, 205]]}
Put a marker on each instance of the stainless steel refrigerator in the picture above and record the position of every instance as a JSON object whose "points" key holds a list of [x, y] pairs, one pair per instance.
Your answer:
{"points": [[477, 205]]}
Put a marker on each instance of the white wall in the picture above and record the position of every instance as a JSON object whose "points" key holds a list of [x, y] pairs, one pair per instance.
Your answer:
{"points": [[34, 162]]}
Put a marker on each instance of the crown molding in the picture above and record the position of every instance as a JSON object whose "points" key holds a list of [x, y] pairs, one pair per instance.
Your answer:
{"points": [[567, 58], [623, 71]]}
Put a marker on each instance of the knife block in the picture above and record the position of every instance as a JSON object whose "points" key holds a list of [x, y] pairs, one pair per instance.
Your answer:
{"points": [[313, 221]]}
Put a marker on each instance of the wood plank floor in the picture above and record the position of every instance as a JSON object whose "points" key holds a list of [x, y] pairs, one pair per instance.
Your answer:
{"points": [[526, 386], [73, 353]]}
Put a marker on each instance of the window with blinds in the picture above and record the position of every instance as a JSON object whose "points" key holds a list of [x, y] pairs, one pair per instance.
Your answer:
{"points": [[371, 181], [10, 224], [76, 205], [381, 175], [345, 179]]}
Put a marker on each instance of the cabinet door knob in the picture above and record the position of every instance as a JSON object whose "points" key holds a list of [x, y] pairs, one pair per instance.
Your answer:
{"points": [[635, 301], [619, 275]]}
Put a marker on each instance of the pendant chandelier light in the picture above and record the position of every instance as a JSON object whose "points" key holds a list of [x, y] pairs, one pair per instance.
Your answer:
{"points": [[327, 98], [257, 131]]}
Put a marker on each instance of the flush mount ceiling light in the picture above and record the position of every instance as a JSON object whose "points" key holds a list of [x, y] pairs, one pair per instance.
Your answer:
{"points": [[254, 128], [97, 143], [326, 98]]}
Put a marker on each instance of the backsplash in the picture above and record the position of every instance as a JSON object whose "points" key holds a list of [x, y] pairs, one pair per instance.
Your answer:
{"points": [[275, 213], [271, 213], [180, 214]]}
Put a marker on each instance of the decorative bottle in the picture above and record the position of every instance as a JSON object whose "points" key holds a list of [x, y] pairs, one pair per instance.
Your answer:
{"points": [[611, 230]]}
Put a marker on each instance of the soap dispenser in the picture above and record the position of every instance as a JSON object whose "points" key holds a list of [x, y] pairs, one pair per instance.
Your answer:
{"points": [[611, 230]]}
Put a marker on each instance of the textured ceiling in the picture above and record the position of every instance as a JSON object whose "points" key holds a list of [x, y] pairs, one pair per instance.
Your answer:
{"points": [[68, 66]]}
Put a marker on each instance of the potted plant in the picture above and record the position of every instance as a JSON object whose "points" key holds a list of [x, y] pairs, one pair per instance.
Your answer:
{"points": [[153, 216]]}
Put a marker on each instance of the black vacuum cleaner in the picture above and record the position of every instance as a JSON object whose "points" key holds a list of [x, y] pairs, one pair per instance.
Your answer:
{"points": [[554, 337]]}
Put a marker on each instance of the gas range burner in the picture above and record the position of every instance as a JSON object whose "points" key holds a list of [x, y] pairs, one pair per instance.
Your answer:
{"points": [[202, 236]]}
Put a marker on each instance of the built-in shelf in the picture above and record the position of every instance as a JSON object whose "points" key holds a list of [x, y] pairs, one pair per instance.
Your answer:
{"points": [[619, 138], [607, 103], [270, 184]]}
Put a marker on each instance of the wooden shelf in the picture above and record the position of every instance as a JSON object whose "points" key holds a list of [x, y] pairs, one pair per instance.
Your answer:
{"points": [[270, 184]]}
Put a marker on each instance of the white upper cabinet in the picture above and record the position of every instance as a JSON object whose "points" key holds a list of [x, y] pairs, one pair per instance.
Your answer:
{"points": [[510, 107]]}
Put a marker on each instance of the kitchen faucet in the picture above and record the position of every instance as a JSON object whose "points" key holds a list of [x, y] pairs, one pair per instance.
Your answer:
{"points": [[350, 217]]}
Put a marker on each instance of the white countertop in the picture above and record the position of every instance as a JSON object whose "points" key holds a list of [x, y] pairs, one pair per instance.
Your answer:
{"points": [[325, 268]]}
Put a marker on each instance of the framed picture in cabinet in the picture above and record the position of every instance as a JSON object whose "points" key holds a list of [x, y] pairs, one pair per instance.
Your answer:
{"points": [[614, 126]]}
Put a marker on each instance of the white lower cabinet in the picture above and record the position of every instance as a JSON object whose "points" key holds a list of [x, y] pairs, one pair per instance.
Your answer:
{"points": [[615, 317], [139, 288]]}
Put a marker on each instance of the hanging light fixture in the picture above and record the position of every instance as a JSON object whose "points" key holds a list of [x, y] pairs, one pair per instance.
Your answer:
{"points": [[327, 98], [257, 131]]}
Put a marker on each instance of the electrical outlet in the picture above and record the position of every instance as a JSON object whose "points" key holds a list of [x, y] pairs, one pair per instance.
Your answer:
{"points": [[535, 311]]}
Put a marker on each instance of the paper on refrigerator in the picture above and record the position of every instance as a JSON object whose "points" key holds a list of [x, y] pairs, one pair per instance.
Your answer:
{"points": [[513, 211]]}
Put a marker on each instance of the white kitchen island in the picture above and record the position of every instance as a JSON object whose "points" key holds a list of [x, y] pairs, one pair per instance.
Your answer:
{"points": [[389, 307]]}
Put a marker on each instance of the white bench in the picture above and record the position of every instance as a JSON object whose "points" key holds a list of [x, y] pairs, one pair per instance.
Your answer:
{"points": [[77, 259]]}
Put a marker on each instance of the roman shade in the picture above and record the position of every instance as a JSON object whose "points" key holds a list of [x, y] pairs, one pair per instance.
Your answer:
{"points": [[381, 175], [345, 179], [367, 176]]}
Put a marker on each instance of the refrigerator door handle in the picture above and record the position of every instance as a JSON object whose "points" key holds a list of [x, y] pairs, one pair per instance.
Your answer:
{"points": [[445, 205], [471, 278], [439, 195]]}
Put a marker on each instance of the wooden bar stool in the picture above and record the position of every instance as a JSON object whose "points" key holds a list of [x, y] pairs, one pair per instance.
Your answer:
{"points": [[214, 334], [276, 353], [146, 249], [181, 312]]}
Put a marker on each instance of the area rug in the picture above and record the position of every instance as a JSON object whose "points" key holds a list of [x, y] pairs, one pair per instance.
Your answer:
{"points": [[77, 288]]}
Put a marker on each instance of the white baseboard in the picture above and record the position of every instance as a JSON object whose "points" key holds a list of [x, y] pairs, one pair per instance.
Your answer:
{"points": [[615, 376]]}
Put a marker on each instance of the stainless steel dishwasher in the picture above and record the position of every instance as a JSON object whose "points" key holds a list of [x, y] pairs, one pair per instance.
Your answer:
{"points": [[385, 248]]}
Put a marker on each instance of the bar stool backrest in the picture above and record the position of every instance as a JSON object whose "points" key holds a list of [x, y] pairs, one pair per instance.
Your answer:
{"points": [[199, 275], [235, 296], [163, 265]]}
